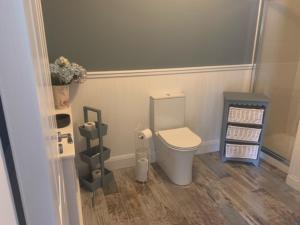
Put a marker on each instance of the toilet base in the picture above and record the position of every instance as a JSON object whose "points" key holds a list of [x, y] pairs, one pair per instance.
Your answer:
{"points": [[177, 164]]}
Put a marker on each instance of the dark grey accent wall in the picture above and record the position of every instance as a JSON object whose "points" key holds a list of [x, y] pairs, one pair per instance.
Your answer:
{"points": [[148, 34]]}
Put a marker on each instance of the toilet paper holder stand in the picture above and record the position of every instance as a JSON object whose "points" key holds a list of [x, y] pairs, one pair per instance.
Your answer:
{"points": [[142, 155]]}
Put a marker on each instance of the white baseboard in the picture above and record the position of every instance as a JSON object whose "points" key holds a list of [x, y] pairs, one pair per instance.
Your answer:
{"points": [[293, 181], [120, 161], [279, 165], [128, 160]]}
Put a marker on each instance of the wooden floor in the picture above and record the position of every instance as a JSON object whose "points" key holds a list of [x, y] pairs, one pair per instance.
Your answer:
{"points": [[229, 193]]}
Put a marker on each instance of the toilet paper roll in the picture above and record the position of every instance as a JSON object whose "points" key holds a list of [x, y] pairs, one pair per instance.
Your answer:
{"points": [[145, 134], [142, 170], [96, 174], [89, 125]]}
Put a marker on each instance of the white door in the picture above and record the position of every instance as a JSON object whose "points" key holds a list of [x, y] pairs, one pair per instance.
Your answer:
{"points": [[7, 209], [29, 110], [44, 91]]}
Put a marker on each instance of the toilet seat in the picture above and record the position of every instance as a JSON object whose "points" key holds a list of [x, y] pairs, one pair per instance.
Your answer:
{"points": [[181, 139]]}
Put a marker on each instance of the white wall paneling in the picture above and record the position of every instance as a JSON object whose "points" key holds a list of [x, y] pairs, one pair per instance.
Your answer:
{"points": [[124, 101]]}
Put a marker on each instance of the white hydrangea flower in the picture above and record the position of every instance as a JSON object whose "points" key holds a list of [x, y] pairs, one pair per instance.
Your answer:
{"points": [[62, 61], [63, 72]]}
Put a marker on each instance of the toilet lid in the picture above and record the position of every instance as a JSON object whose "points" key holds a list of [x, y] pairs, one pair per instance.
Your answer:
{"points": [[180, 138]]}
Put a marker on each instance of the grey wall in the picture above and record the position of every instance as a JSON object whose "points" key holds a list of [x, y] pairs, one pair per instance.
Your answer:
{"points": [[146, 34]]}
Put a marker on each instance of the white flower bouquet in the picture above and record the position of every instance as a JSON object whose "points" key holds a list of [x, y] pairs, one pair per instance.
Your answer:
{"points": [[63, 72]]}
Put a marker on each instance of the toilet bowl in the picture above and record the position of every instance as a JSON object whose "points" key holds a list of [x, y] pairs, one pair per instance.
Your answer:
{"points": [[175, 144], [175, 149]]}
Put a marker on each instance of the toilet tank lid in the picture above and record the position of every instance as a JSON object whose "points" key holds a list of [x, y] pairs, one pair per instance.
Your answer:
{"points": [[166, 95]]}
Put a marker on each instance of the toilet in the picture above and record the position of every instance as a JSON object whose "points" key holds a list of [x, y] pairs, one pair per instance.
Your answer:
{"points": [[175, 144]]}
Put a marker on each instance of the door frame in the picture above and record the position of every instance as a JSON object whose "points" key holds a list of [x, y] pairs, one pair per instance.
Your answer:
{"points": [[24, 85]]}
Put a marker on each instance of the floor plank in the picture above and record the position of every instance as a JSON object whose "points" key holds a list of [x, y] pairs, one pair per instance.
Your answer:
{"points": [[129, 195], [221, 194]]}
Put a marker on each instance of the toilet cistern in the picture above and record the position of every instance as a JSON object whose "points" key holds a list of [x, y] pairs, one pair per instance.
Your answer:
{"points": [[175, 144]]}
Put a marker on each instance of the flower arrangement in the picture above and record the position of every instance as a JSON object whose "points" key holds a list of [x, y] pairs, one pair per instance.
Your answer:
{"points": [[63, 72]]}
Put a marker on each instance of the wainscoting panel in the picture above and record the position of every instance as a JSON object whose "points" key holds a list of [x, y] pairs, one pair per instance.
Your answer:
{"points": [[123, 98]]}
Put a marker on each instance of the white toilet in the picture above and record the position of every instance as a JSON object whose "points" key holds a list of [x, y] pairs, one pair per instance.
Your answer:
{"points": [[175, 144]]}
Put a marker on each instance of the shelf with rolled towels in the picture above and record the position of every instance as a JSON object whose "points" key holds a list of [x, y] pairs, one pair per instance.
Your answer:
{"points": [[92, 183], [95, 155], [92, 130]]}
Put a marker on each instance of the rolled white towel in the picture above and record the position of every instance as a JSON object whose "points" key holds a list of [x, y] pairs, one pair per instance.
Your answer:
{"points": [[89, 125]]}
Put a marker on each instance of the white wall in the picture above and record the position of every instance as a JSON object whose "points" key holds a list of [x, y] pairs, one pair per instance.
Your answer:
{"points": [[124, 102]]}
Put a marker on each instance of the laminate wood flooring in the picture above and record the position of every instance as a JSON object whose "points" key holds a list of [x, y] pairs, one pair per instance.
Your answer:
{"points": [[221, 194]]}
